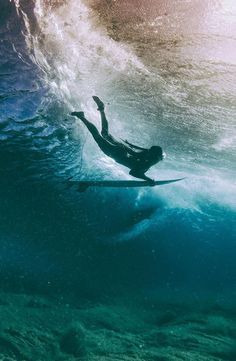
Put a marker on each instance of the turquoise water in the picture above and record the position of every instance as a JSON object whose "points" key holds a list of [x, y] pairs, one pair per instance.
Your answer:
{"points": [[166, 72]]}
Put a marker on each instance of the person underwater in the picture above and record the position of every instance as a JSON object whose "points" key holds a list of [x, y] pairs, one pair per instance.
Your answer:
{"points": [[139, 160]]}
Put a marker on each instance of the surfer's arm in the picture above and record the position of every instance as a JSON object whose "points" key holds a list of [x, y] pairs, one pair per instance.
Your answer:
{"points": [[141, 175]]}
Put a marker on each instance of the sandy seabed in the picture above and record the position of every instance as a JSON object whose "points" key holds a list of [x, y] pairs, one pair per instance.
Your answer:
{"points": [[38, 328]]}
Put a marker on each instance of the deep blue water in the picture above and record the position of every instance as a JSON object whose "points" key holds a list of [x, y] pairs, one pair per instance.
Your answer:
{"points": [[173, 88]]}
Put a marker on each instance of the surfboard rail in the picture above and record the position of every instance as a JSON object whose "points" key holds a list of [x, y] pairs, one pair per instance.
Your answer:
{"points": [[83, 185]]}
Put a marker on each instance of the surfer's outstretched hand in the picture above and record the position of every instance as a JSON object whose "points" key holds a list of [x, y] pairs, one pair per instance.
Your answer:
{"points": [[151, 182]]}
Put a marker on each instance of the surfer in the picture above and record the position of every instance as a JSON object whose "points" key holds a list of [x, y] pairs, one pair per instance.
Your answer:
{"points": [[138, 159]]}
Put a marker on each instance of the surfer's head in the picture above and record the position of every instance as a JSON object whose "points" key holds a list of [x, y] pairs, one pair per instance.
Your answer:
{"points": [[156, 153]]}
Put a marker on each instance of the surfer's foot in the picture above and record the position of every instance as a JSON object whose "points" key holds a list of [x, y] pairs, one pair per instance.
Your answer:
{"points": [[99, 103], [79, 115]]}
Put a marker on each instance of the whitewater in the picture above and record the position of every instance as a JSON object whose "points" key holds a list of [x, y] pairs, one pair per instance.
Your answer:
{"points": [[77, 59]]}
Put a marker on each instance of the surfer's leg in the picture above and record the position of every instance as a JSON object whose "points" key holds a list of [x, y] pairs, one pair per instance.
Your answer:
{"points": [[113, 150], [104, 121], [91, 127], [105, 130]]}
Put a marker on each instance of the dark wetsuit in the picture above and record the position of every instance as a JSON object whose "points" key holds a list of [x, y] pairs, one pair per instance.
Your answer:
{"points": [[138, 161]]}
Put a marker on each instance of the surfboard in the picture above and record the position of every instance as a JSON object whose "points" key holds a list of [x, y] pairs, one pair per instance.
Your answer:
{"points": [[84, 185]]}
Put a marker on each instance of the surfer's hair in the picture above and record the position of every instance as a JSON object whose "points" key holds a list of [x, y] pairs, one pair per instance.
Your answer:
{"points": [[156, 152]]}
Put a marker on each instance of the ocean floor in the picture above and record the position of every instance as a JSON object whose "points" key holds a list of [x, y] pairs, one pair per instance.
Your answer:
{"points": [[37, 328]]}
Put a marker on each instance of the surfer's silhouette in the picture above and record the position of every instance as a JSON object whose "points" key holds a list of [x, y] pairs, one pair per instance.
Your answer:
{"points": [[138, 159]]}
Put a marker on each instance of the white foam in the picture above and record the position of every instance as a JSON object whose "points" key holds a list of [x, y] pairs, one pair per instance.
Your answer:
{"points": [[227, 141], [193, 192], [76, 56]]}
